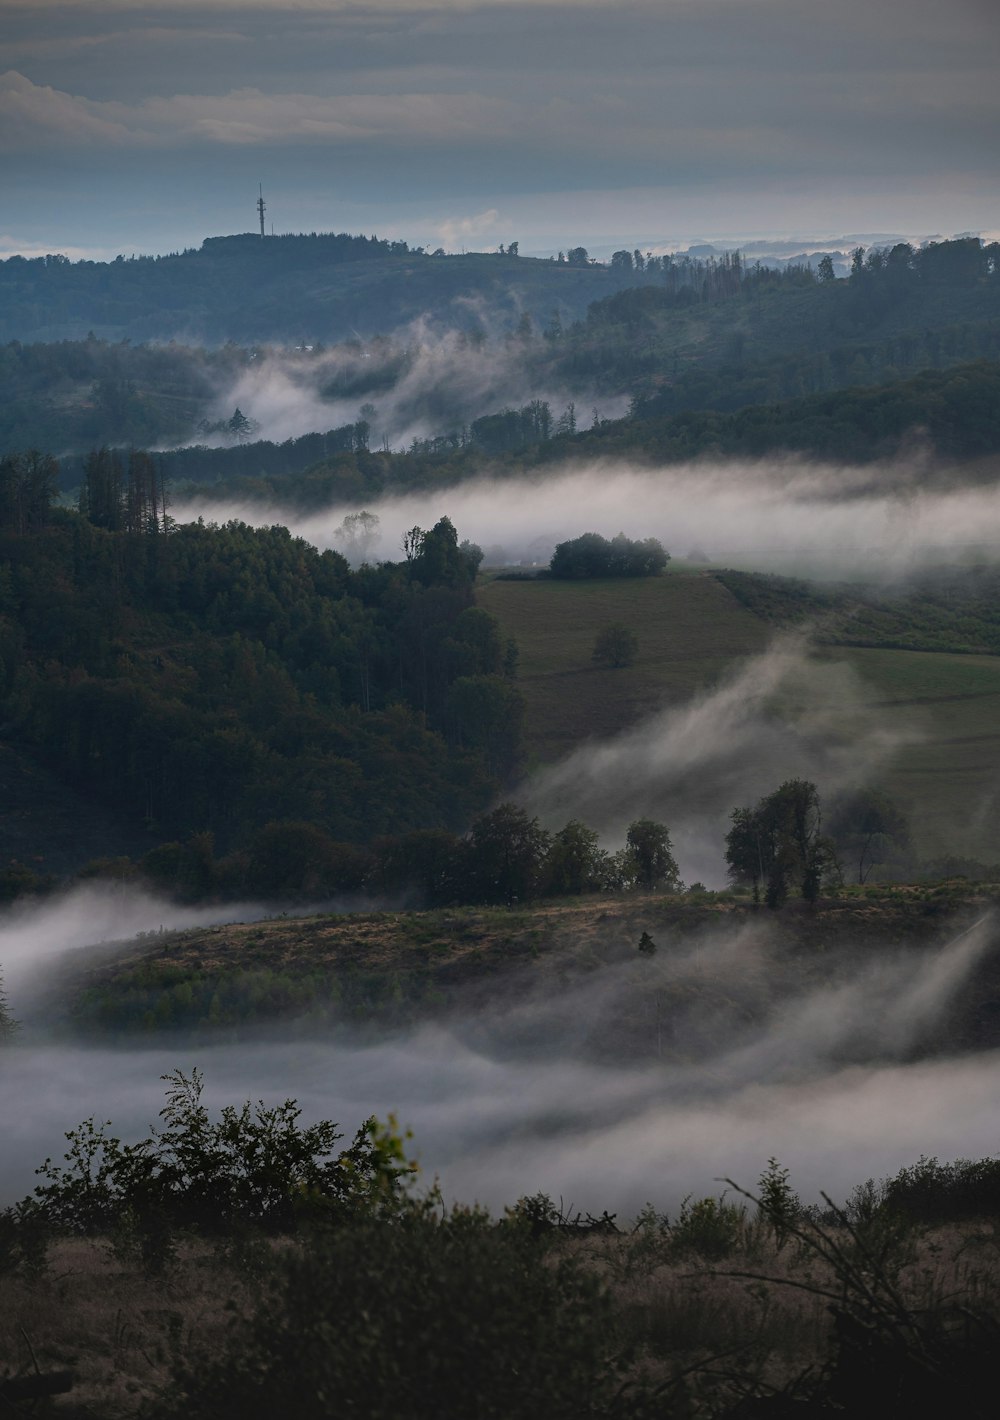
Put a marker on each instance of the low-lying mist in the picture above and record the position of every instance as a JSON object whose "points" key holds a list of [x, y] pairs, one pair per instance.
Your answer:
{"points": [[787, 516], [831, 1060]]}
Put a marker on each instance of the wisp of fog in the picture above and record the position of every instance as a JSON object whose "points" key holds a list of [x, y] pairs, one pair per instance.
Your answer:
{"points": [[777, 716], [418, 383]]}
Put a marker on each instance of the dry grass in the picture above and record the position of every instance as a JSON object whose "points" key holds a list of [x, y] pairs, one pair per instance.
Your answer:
{"points": [[114, 1327], [752, 1322]]}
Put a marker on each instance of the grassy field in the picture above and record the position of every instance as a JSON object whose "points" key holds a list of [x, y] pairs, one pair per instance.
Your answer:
{"points": [[386, 970], [691, 629], [948, 777]]}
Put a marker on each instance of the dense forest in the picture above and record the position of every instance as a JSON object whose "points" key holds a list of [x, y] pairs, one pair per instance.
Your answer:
{"points": [[204, 679]]}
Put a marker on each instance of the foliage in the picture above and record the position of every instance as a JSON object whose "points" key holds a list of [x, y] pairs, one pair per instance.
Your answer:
{"points": [[615, 645], [709, 1227], [777, 1201], [508, 850], [933, 1192], [592, 555], [779, 844], [255, 1165], [575, 863], [870, 828], [889, 1355], [218, 679], [648, 860], [27, 489], [451, 1317]]}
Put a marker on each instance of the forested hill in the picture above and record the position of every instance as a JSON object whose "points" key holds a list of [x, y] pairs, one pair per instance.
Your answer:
{"points": [[216, 679], [954, 414], [496, 334], [289, 289]]}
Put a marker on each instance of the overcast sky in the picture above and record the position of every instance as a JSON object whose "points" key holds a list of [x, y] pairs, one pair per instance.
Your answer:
{"points": [[128, 127]]}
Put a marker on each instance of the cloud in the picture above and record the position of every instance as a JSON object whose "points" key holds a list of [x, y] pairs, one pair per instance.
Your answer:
{"points": [[456, 231], [34, 115]]}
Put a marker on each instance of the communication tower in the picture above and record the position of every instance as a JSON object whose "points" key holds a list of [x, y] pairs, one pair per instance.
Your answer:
{"points": [[261, 207]]}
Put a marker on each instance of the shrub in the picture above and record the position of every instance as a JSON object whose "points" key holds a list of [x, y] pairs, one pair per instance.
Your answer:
{"points": [[710, 1227], [254, 1165], [449, 1318]]}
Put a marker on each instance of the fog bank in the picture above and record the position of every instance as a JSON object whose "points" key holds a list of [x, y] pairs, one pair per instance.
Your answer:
{"points": [[779, 515], [750, 1052]]}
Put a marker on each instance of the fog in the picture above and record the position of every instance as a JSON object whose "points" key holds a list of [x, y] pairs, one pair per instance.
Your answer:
{"points": [[749, 1049], [419, 382], [787, 516], [32, 937], [777, 716]]}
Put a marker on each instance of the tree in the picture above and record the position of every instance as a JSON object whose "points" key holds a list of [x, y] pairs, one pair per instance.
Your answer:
{"points": [[780, 844], [8, 1025], [615, 645], [870, 828], [507, 850], [240, 427], [825, 270], [487, 712], [648, 856], [574, 864], [27, 488], [591, 555], [357, 535]]}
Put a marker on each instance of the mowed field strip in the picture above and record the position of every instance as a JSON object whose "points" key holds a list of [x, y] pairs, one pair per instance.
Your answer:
{"points": [[691, 630]]}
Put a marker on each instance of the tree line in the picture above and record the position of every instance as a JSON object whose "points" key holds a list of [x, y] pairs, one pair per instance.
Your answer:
{"points": [[776, 850]]}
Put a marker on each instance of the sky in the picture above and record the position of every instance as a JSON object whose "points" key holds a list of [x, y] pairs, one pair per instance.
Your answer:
{"points": [[127, 126]]}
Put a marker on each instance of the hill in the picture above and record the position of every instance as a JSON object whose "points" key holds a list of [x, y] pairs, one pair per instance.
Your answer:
{"points": [[290, 289], [444, 348], [501, 971], [218, 679]]}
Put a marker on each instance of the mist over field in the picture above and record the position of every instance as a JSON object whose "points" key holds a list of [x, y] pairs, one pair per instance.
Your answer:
{"points": [[777, 716], [783, 514], [753, 1057]]}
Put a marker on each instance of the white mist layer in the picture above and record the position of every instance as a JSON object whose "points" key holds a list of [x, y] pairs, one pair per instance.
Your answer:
{"points": [[782, 515], [502, 1102]]}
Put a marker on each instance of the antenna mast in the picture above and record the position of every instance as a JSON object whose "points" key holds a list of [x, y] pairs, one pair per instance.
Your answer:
{"points": [[261, 207]]}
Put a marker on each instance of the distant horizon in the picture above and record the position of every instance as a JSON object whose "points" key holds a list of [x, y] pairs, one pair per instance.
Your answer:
{"points": [[130, 126], [779, 245]]}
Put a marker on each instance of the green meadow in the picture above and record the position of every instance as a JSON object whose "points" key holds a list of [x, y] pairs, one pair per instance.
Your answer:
{"points": [[944, 707]]}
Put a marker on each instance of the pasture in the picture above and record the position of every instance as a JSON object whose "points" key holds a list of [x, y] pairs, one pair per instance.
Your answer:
{"points": [[945, 706]]}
